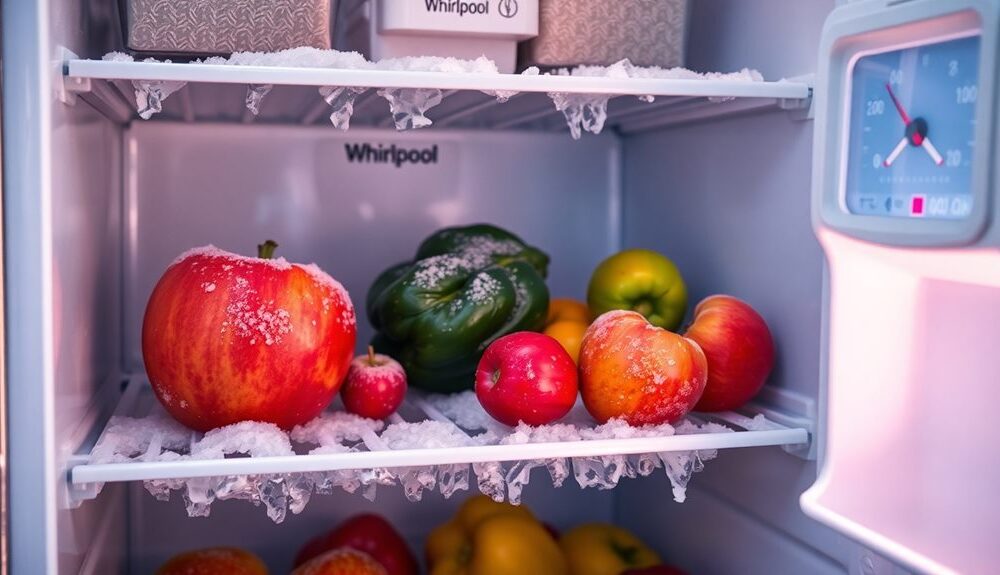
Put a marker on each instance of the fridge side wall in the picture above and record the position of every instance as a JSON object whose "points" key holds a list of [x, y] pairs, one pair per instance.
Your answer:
{"points": [[729, 202], [63, 285]]}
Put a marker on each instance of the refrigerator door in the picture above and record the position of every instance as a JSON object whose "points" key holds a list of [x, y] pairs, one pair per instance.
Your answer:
{"points": [[909, 461]]}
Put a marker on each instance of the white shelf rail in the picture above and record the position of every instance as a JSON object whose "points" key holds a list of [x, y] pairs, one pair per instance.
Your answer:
{"points": [[227, 74], [82, 472]]}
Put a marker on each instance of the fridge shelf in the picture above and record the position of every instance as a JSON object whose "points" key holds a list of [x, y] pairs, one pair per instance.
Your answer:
{"points": [[124, 90], [431, 443]]}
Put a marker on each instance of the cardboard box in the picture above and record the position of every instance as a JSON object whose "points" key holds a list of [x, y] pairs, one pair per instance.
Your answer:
{"points": [[213, 27], [601, 32]]}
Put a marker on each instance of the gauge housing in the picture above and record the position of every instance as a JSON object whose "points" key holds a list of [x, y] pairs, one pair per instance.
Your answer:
{"points": [[914, 25]]}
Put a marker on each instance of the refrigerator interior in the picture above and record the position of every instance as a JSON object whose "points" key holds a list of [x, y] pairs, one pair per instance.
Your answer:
{"points": [[118, 198]]}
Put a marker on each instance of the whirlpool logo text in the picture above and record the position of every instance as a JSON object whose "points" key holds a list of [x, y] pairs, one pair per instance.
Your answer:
{"points": [[506, 8], [395, 155], [460, 7]]}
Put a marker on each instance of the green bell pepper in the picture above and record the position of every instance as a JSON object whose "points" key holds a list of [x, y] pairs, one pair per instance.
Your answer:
{"points": [[466, 287]]}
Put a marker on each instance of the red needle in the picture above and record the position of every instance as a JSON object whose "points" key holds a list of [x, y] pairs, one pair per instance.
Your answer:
{"points": [[918, 138], [899, 107]]}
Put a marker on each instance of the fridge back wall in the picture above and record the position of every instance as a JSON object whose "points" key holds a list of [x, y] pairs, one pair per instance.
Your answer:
{"points": [[354, 204]]}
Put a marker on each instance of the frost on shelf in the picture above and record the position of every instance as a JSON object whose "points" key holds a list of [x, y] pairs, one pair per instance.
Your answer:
{"points": [[582, 111], [149, 94], [506, 480], [408, 105], [341, 100], [255, 95], [590, 111], [456, 421], [429, 435]]}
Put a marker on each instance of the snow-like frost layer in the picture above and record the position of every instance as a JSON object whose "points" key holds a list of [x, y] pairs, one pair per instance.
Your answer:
{"points": [[157, 437], [409, 106]]}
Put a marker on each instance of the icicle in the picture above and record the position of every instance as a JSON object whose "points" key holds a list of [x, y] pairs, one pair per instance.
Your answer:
{"points": [[255, 95], [150, 94], [341, 100], [408, 105], [582, 111], [453, 478], [490, 480]]}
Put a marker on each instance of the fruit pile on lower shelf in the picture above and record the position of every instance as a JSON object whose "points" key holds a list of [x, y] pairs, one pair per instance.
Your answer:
{"points": [[443, 442], [482, 537]]}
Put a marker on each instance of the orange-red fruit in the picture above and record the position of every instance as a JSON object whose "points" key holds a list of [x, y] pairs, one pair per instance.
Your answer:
{"points": [[214, 561], [633, 370], [228, 338], [739, 348], [343, 561]]}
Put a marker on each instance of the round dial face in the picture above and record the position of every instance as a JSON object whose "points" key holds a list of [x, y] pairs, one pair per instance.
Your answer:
{"points": [[912, 128]]}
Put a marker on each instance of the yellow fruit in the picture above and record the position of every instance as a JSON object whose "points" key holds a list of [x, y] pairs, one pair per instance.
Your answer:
{"points": [[604, 549], [567, 309], [490, 538], [479, 508], [508, 544], [569, 334]]}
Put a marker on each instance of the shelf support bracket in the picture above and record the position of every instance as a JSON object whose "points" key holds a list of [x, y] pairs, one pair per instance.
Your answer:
{"points": [[68, 88], [800, 109]]}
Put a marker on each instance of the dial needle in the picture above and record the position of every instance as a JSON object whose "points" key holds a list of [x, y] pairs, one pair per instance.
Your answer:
{"points": [[899, 107], [896, 152], [927, 145]]}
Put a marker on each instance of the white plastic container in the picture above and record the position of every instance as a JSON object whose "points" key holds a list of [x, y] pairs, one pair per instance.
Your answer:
{"points": [[458, 28]]}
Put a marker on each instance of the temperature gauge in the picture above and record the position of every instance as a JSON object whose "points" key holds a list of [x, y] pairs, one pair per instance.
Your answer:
{"points": [[912, 123]]}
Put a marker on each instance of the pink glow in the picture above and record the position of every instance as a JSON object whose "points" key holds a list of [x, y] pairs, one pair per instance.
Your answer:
{"points": [[913, 456]]}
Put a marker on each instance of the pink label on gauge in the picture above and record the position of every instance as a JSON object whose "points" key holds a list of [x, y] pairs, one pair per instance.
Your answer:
{"points": [[917, 205]]}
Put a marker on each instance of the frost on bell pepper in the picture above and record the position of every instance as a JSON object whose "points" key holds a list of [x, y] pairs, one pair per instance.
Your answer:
{"points": [[466, 287]]}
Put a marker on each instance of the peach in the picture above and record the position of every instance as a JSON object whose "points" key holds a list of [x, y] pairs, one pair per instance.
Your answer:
{"points": [[633, 370]]}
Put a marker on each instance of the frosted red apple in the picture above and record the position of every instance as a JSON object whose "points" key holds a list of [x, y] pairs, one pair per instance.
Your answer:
{"points": [[633, 370], [228, 338], [526, 376], [739, 348], [375, 386]]}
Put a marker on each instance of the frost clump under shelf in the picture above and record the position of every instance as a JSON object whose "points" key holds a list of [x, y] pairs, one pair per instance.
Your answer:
{"points": [[409, 106], [422, 454]]}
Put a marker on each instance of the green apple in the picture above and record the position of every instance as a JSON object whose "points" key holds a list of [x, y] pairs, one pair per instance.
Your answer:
{"points": [[643, 281]]}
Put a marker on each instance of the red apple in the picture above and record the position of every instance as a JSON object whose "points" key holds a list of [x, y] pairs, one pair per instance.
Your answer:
{"points": [[739, 349], [526, 376], [228, 338], [375, 386], [644, 374], [371, 534], [343, 561]]}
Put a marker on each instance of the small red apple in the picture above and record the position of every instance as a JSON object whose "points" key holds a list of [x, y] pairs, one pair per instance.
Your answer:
{"points": [[375, 386], [631, 369], [739, 349], [526, 376]]}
